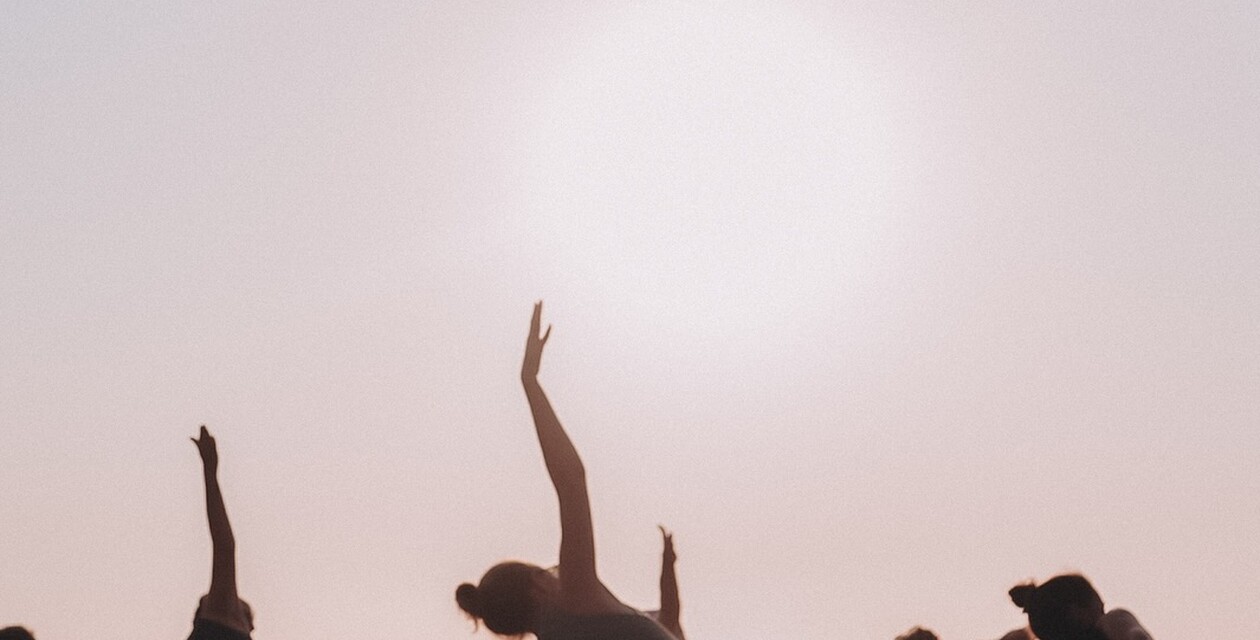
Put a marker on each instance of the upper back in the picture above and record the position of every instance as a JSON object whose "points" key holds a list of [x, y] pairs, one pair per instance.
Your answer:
{"points": [[1119, 624], [607, 626]]}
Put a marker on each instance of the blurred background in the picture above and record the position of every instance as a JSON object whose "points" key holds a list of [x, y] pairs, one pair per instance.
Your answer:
{"points": [[881, 307]]}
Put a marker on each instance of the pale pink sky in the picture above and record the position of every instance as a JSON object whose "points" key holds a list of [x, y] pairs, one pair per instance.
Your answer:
{"points": [[882, 307]]}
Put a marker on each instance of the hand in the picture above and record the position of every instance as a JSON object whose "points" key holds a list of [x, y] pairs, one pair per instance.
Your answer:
{"points": [[534, 345], [209, 453], [668, 537]]}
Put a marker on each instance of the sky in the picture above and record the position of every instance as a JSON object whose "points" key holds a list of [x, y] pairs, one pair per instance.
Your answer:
{"points": [[881, 307]]}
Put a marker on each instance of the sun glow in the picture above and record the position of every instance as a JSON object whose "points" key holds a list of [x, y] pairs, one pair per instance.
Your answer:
{"points": [[717, 169]]}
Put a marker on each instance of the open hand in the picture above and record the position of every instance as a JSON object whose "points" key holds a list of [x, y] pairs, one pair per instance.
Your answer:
{"points": [[534, 345], [667, 537], [205, 446]]}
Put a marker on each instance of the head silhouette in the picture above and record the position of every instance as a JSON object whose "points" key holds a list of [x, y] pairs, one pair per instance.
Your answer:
{"points": [[15, 633], [1062, 608], [509, 598], [918, 633]]}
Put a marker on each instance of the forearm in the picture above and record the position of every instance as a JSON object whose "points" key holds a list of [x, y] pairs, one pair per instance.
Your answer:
{"points": [[669, 596], [216, 515], [564, 465]]}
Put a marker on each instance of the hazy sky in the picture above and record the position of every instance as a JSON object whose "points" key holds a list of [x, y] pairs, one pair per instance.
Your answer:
{"points": [[882, 306]]}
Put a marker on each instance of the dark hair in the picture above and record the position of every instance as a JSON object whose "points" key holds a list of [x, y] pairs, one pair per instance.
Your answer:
{"points": [[15, 633], [1063, 608], [918, 633], [503, 599]]}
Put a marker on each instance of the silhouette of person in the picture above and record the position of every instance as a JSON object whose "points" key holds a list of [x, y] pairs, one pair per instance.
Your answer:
{"points": [[917, 633], [1067, 607], [221, 614], [15, 633], [569, 603], [667, 615]]}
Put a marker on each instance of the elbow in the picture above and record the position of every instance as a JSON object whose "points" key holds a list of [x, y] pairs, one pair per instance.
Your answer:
{"points": [[225, 543], [532, 387], [568, 482], [572, 476]]}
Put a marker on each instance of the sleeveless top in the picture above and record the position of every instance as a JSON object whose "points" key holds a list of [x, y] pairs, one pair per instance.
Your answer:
{"points": [[609, 626]]}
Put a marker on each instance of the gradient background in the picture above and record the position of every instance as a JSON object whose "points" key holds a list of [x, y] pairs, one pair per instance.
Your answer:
{"points": [[883, 307]]}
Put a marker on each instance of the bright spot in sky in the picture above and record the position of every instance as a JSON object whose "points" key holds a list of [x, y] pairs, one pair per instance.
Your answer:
{"points": [[708, 170]]}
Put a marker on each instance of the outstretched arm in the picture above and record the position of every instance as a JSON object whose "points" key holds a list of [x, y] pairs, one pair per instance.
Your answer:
{"points": [[221, 604], [578, 580], [670, 606]]}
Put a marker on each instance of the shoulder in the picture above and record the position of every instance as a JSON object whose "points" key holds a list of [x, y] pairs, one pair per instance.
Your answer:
{"points": [[204, 629], [593, 599], [225, 610], [1119, 624]]}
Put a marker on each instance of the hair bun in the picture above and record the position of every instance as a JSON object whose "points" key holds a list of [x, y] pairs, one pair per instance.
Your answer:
{"points": [[468, 599], [1022, 594]]}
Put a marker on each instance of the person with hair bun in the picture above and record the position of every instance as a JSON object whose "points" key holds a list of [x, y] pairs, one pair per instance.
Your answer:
{"points": [[567, 602], [1067, 607], [16, 633], [918, 633]]}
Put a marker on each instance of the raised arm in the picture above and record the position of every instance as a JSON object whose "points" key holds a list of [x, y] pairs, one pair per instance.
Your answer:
{"points": [[221, 604], [670, 605], [579, 584]]}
